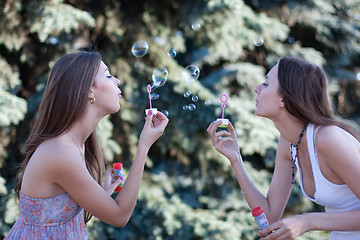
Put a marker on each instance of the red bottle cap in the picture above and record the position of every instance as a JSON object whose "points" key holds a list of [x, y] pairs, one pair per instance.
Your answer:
{"points": [[118, 188], [257, 211], [117, 165]]}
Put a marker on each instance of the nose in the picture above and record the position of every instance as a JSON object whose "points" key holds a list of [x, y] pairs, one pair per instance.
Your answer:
{"points": [[117, 82], [257, 89]]}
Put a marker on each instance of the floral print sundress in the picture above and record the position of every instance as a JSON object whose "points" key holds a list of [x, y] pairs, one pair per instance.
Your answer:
{"points": [[57, 217]]}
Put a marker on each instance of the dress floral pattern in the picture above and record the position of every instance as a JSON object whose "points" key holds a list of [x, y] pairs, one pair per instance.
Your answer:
{"points": [[57, 217]]}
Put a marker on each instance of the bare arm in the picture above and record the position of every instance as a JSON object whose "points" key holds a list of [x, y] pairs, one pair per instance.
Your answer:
{"points": [[275, 201], [72, 175]]}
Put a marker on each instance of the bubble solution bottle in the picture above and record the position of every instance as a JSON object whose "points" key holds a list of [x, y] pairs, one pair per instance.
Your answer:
{"points": [[260, 218], [118, 173]]}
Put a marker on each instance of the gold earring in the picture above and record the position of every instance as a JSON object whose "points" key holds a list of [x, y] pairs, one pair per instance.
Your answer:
{"points": [[92, 100]]}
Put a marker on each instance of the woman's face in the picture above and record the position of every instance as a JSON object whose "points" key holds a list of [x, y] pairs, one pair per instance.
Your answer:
{"points": [[268, 100], [106, 90]]}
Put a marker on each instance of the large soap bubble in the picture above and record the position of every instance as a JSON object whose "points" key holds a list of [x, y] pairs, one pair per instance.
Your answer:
{"points": [[159, 76], [191, 73], [139, 48]]}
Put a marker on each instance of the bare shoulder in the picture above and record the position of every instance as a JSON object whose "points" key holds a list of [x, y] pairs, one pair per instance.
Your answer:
{"points": [[56, 153], [283, 149], [52, 158], [337, 148], [331, 138]]}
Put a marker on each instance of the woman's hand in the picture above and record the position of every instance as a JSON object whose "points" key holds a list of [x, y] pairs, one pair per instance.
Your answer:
{"points": [[153, 128], [287, 228], [225, 142], [108, 184]]}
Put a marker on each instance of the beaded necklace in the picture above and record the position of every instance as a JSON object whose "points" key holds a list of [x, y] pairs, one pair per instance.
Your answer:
{"points": [[297, 152]]}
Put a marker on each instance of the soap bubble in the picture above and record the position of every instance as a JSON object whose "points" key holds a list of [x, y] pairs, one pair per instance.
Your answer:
{"points": [[195, 98], [191, 73], [171, 53], [154, 96], [192, 107], [291, 40], [159, 76], [195, 26], [187, 94], [165, 112], [139, 48], [185, 107], [258, 41]]}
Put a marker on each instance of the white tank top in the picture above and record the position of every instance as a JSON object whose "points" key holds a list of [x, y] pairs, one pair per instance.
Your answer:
{"points": [[334, 197]]}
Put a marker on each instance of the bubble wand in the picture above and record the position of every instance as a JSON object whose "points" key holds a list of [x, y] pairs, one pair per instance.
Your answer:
{"points": [[150, 110], [224, 121]]}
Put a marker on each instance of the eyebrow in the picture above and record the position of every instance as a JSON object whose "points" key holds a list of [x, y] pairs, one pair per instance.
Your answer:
{"points": [[106, 70]]}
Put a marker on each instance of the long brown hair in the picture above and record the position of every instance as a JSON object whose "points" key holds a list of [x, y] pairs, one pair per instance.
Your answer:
{"points": [[64, 101], [304, 88]]}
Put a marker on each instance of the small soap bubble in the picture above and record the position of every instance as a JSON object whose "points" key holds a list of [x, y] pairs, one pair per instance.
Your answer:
{"points": [[291, 40], [191, 73], [195, 98], [356, 16], [258, 41], [165, 112], [139, 48], [171, 53], [159, 76], [195, 26], [185, 107], [192, 107], [187, 94], [154, 96]]}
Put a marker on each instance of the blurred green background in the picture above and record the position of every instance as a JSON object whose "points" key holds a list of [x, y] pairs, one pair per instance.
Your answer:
{"points": [[189, 191]]}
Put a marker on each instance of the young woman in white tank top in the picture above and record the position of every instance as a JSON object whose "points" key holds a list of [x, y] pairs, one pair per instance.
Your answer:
{"points": [[295, 97]]}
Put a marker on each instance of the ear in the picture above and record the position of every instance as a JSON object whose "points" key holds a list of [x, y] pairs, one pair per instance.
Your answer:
{"points": [[282, 104], [91, 93]]}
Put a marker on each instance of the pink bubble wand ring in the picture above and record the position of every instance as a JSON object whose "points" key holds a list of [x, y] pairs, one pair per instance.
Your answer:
{"points": [[151, 110], [224, 122]]}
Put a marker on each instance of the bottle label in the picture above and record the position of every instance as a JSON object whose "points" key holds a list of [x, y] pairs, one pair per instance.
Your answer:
{"points": [[261, 221]]}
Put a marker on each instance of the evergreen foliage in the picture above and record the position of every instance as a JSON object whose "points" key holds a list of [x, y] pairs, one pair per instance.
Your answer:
{"points": [[189, 190]]}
